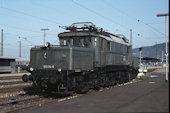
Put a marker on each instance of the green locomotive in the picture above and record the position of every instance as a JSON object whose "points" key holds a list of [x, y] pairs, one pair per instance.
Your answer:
{"points": [[87, 58]]}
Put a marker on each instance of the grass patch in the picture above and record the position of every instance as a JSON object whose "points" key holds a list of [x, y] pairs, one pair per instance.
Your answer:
{"points": [[147, 75]]}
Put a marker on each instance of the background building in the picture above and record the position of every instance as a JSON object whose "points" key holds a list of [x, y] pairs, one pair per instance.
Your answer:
{"points": [[7, 65]]}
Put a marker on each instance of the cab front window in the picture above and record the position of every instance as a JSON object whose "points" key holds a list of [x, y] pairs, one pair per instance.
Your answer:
{"points": [[75, 41]]}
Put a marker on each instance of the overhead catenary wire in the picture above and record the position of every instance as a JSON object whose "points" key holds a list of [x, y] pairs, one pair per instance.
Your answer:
{"points": [[19, 28], [67, 13], [156, 23], [12, 16], [20, 12], [107, 18], [33, 16], [28, 41], [151, 27], [23, 13], [32, 37], [98, 14], [24, 29], [54, 42], [132, 17], [104, 17], [140, 21]]}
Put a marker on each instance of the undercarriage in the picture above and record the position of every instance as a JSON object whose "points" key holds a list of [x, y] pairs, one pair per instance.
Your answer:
{"points": [[79, 82]]}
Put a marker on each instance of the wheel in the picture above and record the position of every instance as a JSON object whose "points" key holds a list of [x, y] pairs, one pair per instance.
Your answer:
{"points": [[25, 78]]}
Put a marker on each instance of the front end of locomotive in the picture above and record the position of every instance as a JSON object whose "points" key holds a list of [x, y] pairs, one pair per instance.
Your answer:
{"points": [[47, 66], [51, 66]]}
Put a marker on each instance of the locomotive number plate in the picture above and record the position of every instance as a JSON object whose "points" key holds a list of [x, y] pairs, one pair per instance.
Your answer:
{"points": [[48, 66]]}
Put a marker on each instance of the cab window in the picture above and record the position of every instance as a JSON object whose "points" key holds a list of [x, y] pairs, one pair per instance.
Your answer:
{"points": [[75, 41], [108, 46], [87, 41]]}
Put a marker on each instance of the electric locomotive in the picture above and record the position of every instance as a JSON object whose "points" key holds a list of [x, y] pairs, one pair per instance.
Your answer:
{"points": [[87, 58]]}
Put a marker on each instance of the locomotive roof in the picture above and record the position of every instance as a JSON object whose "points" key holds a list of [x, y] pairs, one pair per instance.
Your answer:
{"points": [[89, 29]]}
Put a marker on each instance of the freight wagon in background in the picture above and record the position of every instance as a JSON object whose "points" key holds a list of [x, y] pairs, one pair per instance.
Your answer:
{"points": [[7, 65]]}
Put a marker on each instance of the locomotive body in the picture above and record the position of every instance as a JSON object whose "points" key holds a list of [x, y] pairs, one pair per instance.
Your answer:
{"points": [[61, 58], [86, 58]]}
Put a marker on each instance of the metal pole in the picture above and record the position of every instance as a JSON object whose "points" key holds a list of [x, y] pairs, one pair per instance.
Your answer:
{"points": [[19, 48], [131, 46], [162, 58], [44, 34], [44, 37], [166, 54], [140, 57], [131, 37], [2, 42], [166, 51], [156, 55]]}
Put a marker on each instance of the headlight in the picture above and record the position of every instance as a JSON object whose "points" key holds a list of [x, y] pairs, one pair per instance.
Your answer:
{"points": [[31, 69], [59, 70], [47, 44]]}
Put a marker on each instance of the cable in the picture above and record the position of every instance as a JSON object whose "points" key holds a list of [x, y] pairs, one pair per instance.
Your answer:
{"points": [[54, 42], [23, 29], [78, 18], [122, 12], [135, 18], [27, 41], [98, 14], [19, 18], [23, 13], [156, 23], [80, 5], [18, 28], [151, 27]]}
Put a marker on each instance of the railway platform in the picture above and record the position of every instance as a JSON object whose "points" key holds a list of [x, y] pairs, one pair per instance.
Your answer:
{"points": [[150, 95]]}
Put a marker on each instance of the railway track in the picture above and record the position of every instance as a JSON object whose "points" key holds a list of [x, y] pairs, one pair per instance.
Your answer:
{"points": [[16, 95], [12, 86], [20, 103], [10, 77], [8, 82], [30, 102]]}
